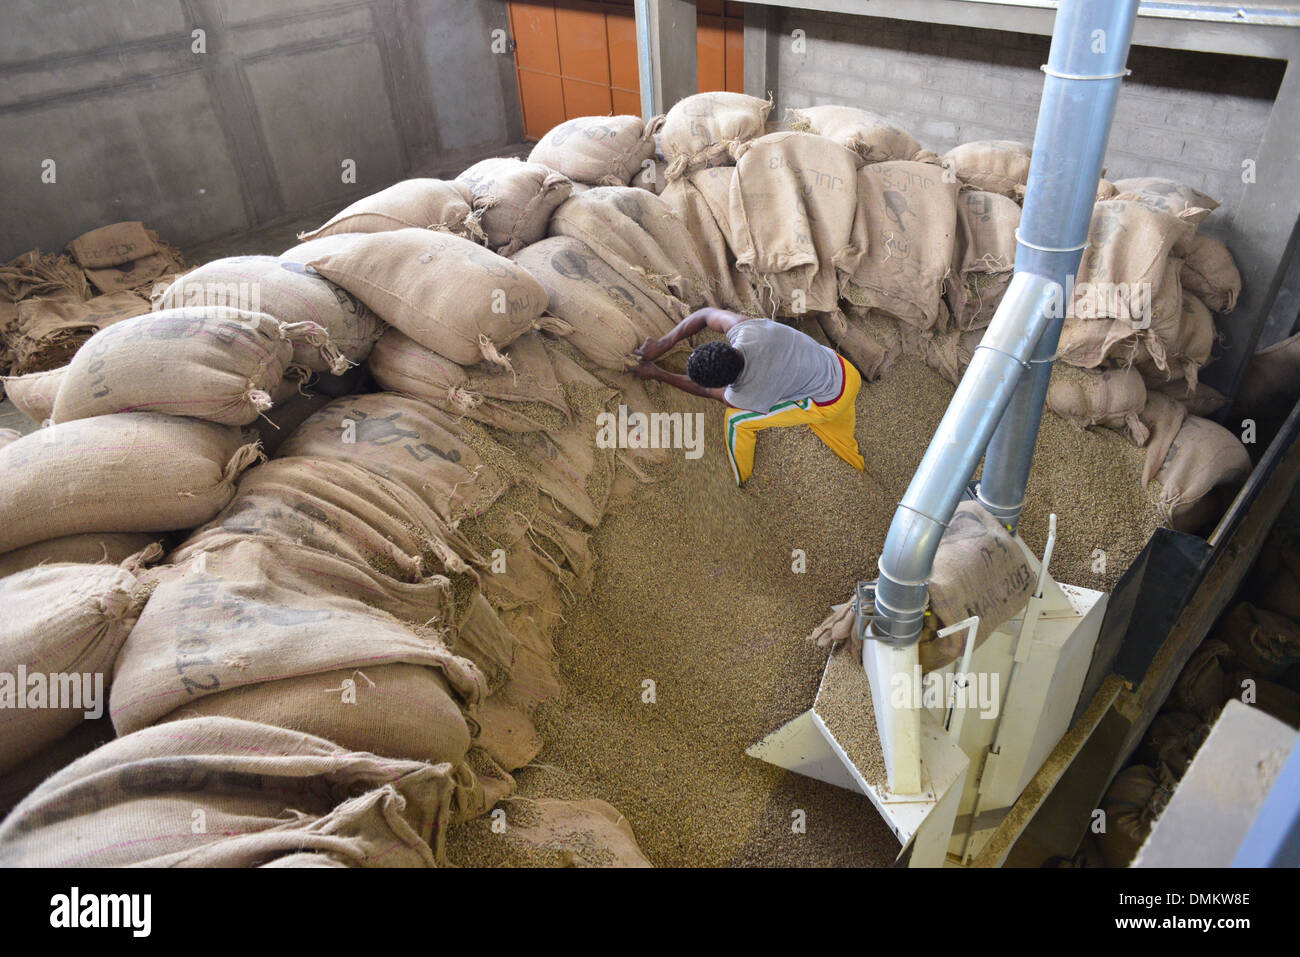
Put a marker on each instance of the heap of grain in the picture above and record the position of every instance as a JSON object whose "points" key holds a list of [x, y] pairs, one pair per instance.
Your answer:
{"points": [[552, 621]]}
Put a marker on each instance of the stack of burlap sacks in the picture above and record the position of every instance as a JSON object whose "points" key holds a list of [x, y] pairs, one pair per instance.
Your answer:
{"points": [[51, 303], [381, 593], [1252, 654]]}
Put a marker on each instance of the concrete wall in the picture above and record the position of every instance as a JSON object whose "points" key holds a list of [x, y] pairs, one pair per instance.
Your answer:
{"points": [[256, 128], [1192, 117]]}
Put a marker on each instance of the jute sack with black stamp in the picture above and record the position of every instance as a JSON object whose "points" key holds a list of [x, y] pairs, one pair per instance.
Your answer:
{"points": [[514, 200], [350, 807], [706, 129], [447, 293], [792, 212], [598, 150], [62, 630], [524, 398], [130, 472], [286, 289], [209, 363], [907, 224]]}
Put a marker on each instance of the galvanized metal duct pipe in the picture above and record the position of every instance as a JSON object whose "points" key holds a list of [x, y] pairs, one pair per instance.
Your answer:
{"points": [[1090, 44]]}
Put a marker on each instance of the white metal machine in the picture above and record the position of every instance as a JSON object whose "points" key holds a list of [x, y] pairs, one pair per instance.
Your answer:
{"points": [[958, 744]]}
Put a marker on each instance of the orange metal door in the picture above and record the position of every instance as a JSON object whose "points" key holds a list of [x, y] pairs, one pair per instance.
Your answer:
{"points": [[579, 57], [720, 46]]}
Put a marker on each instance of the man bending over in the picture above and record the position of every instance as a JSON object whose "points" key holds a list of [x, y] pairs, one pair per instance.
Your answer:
{"points": [[769, 375]]}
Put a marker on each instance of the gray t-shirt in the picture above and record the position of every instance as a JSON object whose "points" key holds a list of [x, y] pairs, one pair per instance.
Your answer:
{"points": [[781, 365]]}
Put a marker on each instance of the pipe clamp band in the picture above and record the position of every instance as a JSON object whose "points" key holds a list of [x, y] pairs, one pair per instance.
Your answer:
{"points": [[1052, 358], [1085, 76], [922, 514], [1050, 249], [1019, 362], [880, 564], [979, 494]]}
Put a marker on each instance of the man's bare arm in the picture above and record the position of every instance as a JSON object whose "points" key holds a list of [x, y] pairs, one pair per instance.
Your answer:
{"points": [[648, 370], [719, 320]]}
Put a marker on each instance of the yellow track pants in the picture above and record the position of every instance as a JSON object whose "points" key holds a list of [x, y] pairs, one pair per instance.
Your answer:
{"points": [[832, 422]]}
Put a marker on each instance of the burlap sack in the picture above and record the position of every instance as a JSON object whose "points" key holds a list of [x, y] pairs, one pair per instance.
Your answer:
{"points": [[27, 776], [514, 200], [551, 833], [978, 570], [92, 548], [536, 552], [33, 394], [1199, 689], [1262, 641], [525, 398], [598, 150], [984, 255], [996, 166], [1125, 266], [610, 308], [414, 203], [1203, 400], [907, 223], [1210, 272], [1271, 385], [236, 779], [622, 224], [1165, 194], [1163, 417], [1204, 455], [112, 245], [1132, 803], [1113, 398], [343, 510], [653, 176], [1187, 349], [50, 331], [394, 710], [292, 293], [566, 464], [1276, 579], [869, 356], [138, 274], [870, 135], [702, 201], [1270, 697], [705, 130], [446, 293], [236, 612], [208, 363], [1088, 341], [408, 442], [792, 214], [9, 436], [133, 472], [62, 630], [292, 408], [35, 273], [1173, 740]]}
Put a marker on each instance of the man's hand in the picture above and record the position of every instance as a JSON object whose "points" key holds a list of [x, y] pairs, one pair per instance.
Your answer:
{"points": [[652, 349], [646, 370]]}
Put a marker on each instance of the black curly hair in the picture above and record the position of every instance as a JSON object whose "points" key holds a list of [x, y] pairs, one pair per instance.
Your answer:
{"points": [[714, 365]]}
